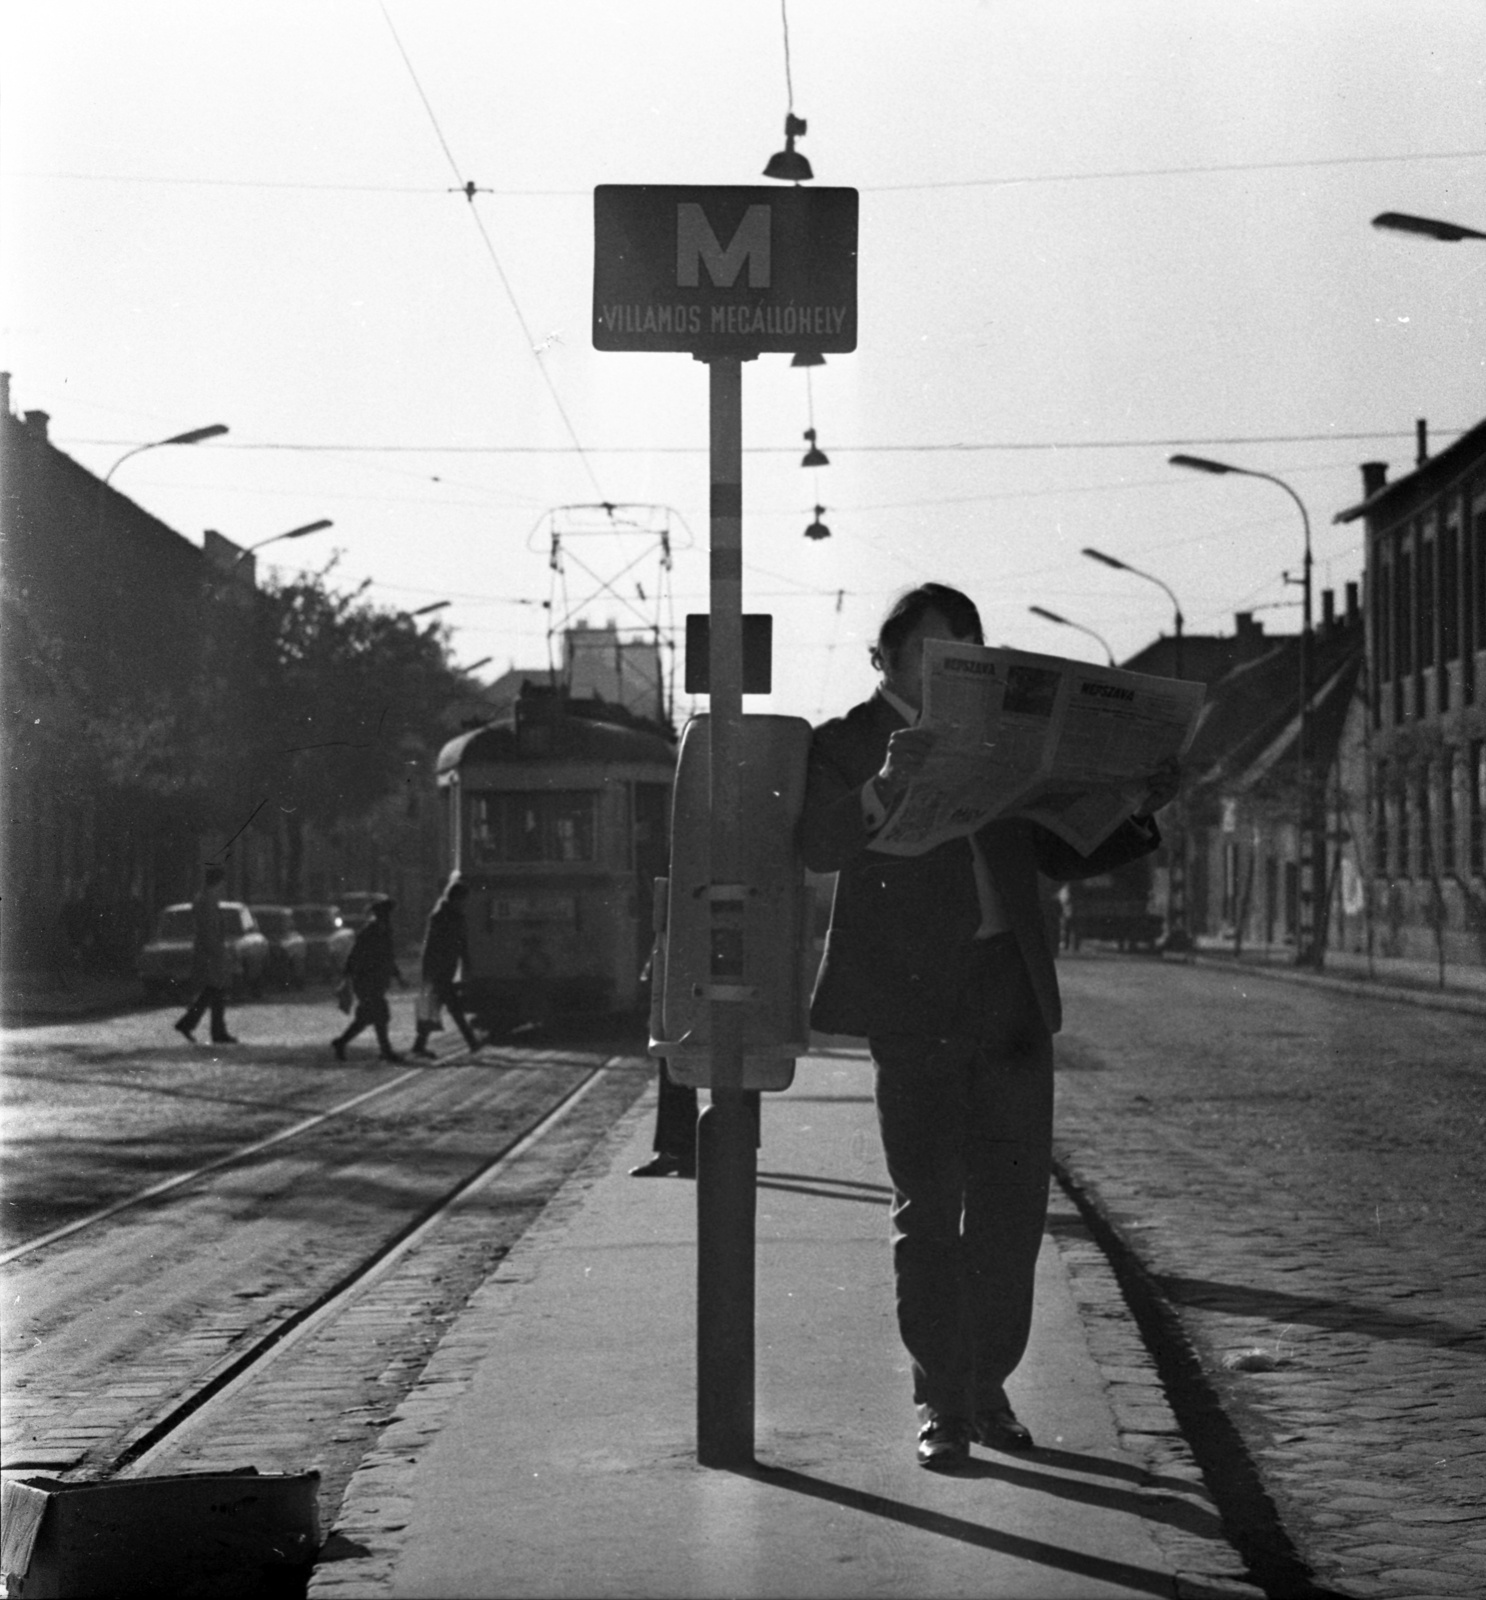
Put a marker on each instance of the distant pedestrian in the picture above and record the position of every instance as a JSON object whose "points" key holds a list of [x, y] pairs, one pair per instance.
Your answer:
{"points": [[371, 967], [211, 970], [445, 952]]}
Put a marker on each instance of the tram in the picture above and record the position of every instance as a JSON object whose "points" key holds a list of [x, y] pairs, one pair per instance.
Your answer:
{"points": [[557, 816]]}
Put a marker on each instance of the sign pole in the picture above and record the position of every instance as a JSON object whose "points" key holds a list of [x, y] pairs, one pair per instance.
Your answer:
{"points": [[724, 273], [726, 1152]]}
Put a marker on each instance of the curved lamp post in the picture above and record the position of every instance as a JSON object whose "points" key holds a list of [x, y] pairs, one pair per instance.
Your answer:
{"points": [[1177, 937], [1310, 942], [293, 533], [1052, 616], [191, 436], [1124, 566], [1403, 222]]}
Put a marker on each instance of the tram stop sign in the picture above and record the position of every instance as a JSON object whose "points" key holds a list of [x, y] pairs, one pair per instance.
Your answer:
{"points": [[724, 271]]}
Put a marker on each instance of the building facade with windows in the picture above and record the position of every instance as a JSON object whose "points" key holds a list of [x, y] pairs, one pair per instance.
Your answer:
{"points": [[1423, 755], [1243, 802]]}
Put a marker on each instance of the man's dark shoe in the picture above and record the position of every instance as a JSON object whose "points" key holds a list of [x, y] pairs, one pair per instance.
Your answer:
{"points": [[664, 1165], [185, 1032], [391, 1055], [340, 1050], [999, 1428], [943, 1442], [422, 1053], [223, 1038]]}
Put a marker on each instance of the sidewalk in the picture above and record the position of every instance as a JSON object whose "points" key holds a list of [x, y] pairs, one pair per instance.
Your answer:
{"points": [[549, 1448], [1413, 982], [31, 998]]}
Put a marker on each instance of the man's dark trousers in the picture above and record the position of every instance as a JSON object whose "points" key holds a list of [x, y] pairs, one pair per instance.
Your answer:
{"points": [[213, 999], [966, 1124]]}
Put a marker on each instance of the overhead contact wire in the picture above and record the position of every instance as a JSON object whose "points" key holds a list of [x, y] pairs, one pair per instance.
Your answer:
{"points": [[468, 189]]}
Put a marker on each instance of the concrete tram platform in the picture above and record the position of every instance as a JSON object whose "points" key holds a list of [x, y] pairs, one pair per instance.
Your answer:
{"points": [[549, 1448]]}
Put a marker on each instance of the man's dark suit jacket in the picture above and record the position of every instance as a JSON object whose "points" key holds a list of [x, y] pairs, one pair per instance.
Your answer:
{"points": [[900, 924]]}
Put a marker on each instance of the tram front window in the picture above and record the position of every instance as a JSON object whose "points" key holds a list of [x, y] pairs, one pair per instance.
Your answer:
{"points": [[536, 825]]}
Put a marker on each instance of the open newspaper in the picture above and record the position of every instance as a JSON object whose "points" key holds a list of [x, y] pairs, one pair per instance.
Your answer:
{"points": [[1068, 744]]}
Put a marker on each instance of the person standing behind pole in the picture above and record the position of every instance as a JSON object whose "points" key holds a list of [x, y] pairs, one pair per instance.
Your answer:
{"points": [[941, 961], [445, 950], [210, 969], [371, 966]]}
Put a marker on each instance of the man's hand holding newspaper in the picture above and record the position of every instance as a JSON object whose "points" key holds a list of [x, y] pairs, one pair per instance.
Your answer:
{"points": [[1004, 733]]}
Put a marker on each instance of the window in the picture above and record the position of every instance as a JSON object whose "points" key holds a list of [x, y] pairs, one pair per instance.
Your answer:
{"points": [[1404, 855], [177, 923], [1426, 603], [1428, 865], [1472, 620], [534, 825], [1450, 596], [1382, 857], [1382, 623], [1447, 811], [1475, 778], [1403, 609]]}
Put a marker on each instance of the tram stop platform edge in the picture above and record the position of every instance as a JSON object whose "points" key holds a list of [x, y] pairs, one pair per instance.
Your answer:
{"points": [[550, 1446]]}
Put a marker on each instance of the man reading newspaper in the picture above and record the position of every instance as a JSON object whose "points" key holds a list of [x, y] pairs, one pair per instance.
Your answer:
{"points": [[938, 954]]}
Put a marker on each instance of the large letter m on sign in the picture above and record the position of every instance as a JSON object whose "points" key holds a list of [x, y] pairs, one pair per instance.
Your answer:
{"points": [[696, 243]]}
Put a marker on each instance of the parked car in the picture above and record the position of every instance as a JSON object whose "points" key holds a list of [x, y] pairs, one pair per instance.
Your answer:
{"points": [[327, 940], [1116, 906], [288, 954], [165, 961]]}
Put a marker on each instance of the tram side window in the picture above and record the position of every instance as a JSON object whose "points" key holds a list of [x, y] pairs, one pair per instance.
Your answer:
{"points": [[535, 825]]}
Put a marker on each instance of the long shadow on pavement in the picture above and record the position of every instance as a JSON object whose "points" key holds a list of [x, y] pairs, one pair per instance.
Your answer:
{"points": [[1335, 1316], [1144, 1580]]}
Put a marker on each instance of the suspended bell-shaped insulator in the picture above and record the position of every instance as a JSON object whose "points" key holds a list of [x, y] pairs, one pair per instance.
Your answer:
{"points": [[814, 456], [788, 165], [818, 529]]}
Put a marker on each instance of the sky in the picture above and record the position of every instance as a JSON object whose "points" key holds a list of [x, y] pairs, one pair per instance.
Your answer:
{"points": [[1092, 233]]}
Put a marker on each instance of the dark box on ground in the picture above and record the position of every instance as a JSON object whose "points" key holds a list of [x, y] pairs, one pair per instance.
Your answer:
{"points": [[192, 1536]]}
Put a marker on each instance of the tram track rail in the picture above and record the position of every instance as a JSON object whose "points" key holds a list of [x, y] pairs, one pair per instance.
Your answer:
{"points": [[80, 1399], [180, 1179], [138, 1455]]}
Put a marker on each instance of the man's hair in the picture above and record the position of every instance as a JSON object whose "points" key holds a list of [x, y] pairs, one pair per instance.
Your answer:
{"points": [[910, 608]]}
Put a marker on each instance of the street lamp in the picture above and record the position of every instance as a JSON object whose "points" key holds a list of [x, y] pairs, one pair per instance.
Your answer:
{"points": [[191, 436], [437, 605], [1124, 566], [293, 533], [1052, 616], [1310, 944], [1403, 222], [1177, 938]]}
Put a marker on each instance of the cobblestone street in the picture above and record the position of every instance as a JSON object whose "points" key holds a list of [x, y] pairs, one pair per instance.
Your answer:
{"points": [[1300, 1174]]}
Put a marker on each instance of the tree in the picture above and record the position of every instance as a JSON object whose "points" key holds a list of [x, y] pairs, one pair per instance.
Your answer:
{"points": [[346, 701]]}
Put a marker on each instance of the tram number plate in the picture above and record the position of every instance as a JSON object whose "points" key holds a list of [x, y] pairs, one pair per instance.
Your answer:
{"points": [[534, 908]]}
